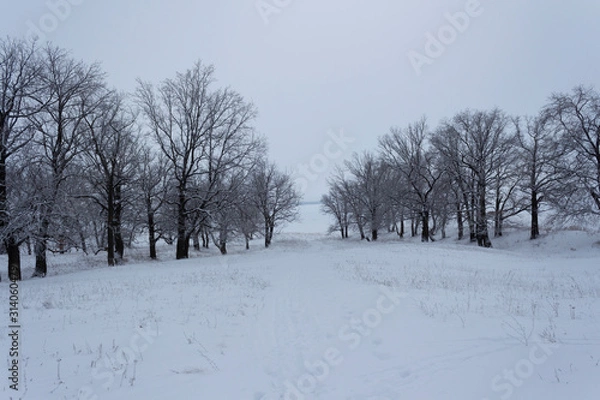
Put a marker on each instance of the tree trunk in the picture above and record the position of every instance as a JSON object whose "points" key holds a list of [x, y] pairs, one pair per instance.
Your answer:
{"points": [[425, 226], [444, 223], [374, 234], [483, 239], [110, 248], [151, 232], [110, 232], [119, 243], [196, 240], [459, 221], [500, 229], [271, 231], [360, 226], [182, 244], [417, 220], [82, 241], [267, 238], [498, 224], [14, 259], [471, 217], [535, 227], [401, 233], [205, 238], [41, 264], [11, 247], [472, 234], [498, 216]]}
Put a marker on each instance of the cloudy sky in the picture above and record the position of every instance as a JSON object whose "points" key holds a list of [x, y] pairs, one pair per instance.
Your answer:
{"points": [[316, 68]]}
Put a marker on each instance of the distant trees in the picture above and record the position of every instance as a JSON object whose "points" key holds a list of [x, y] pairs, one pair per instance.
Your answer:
{"points": [[477, 167], [357, 196], [337, 204], [84, 166], [409, 154], [275, 197], [248, 218], [370, 174]]}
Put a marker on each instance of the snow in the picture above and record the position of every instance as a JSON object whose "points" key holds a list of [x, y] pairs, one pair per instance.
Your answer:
{"points": [[315, 317]]}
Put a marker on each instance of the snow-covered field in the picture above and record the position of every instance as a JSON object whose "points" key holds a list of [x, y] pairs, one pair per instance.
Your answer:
{"points": [[315, 317]]}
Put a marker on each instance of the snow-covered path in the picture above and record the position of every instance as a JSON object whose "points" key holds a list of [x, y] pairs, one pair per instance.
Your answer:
{"points": [[316, 318], [303, 335]]}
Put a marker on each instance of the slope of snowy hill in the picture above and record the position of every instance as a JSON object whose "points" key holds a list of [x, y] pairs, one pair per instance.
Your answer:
{"points": [[315, 317]]}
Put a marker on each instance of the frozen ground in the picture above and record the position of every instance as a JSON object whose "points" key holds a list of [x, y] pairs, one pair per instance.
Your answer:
{"points": [[318, 318]]}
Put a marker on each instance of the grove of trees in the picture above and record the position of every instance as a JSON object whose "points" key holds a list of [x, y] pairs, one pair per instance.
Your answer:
{"points": [[84, 166], [478, 169]]}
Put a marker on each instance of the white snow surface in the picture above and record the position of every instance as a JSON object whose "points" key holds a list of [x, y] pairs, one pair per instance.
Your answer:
{"points": [[315, 317]]}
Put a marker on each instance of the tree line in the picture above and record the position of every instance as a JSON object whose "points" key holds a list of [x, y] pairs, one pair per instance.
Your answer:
{"points": [[88, 167], [476, 169]]}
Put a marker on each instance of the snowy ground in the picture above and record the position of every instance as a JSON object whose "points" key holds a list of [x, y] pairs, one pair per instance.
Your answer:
{"points": [[318, 318]]}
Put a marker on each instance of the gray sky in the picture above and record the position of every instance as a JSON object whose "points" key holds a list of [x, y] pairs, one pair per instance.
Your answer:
{"points": [[315, 66]]}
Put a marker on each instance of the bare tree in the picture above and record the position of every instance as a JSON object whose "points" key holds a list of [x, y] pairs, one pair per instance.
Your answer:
{"points": [[180, 113], [232, 150], [346, 190], [71, 88], [408, 153], [274, 195], [248, 218], [204, 134], [111, 155], [506, 178], [443, 201], [540, 155], [153, 184], [451, 148], [476, 141], [337, 204], [370, 174], [227, 209], [576, 116], [19, 69]]}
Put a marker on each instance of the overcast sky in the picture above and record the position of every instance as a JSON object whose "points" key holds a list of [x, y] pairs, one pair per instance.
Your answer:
{"points": [[318, 66]]}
